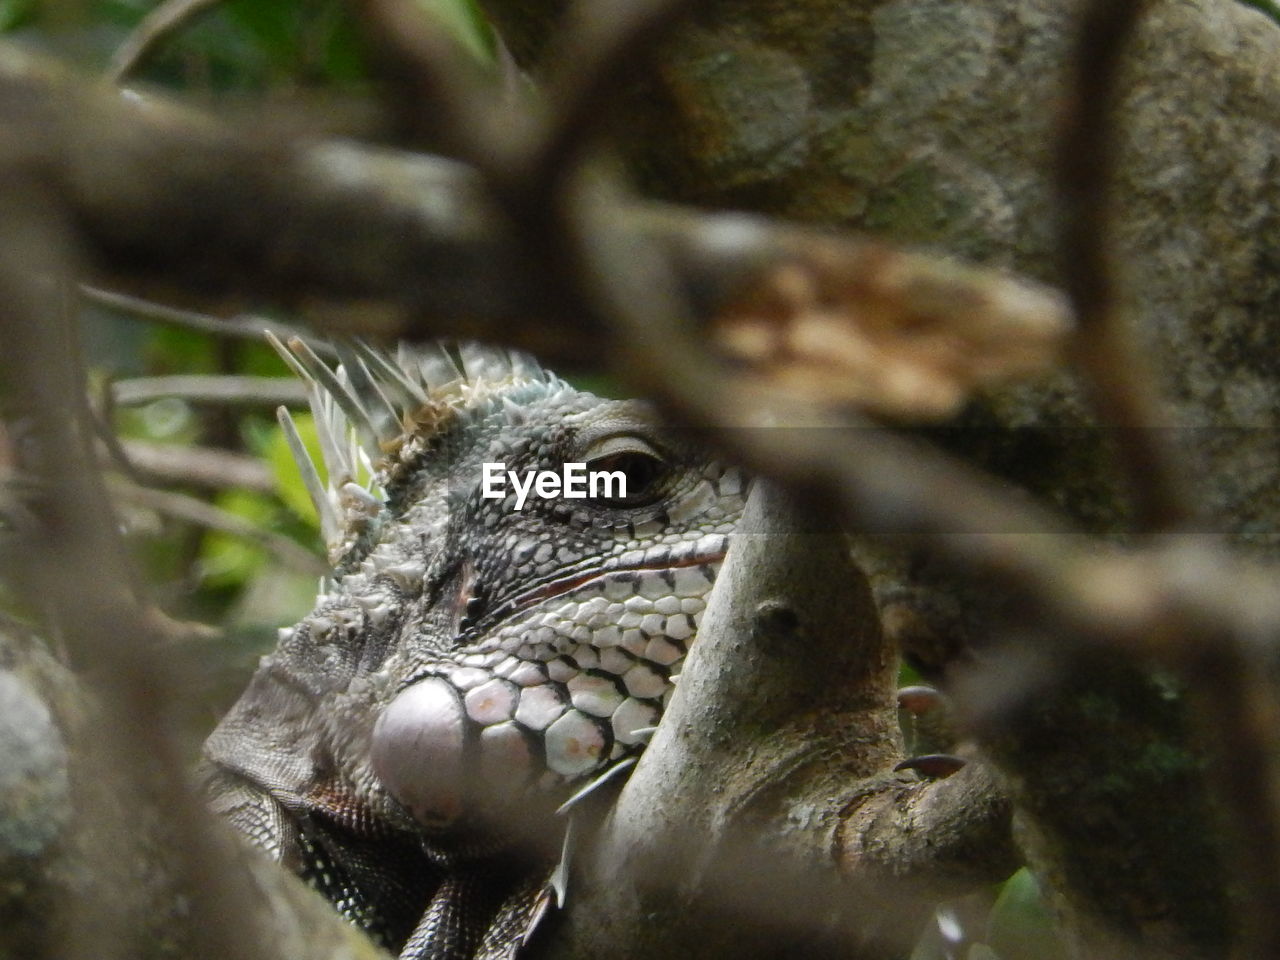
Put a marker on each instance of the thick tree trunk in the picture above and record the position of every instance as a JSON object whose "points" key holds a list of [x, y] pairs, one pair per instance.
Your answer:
{"points": [[934, 122]]}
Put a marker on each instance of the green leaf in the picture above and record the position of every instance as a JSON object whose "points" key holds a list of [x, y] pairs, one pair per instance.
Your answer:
{"points": [[230, 561], [273, 24], [1021, 926], [908, 676], [466, 24], [275, 450], [15, 13]]}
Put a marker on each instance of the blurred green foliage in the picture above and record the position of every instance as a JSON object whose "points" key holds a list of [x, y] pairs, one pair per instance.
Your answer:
{"points": [[240, 48], [1020, 927], [1268, 7]]}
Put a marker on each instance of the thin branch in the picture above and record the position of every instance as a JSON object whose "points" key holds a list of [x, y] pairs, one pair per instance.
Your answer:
{"points": [[1234, 709], [191, 510], [157, 26], [245, 327], [222, 389], [196, 466], [101, 417], [440, 94], [1156, 603], [1118, 374]]}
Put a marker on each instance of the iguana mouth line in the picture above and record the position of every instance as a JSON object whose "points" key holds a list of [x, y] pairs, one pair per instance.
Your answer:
{"points": [[557, 588]]}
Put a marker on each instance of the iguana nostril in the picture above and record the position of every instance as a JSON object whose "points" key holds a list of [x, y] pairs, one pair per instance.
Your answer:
{"points": [[474, 609], [418, 748]]}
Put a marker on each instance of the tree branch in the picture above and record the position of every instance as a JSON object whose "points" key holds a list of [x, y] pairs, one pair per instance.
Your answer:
{"points": [[212, 388], [1121, 383], [159, 24], [383, 244], [762, 819], [140, 869], [247, 328], [202, 467], [206, 515]]}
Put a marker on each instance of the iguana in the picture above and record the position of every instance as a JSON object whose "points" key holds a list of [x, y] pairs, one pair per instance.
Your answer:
{"points": [[467, 664]]}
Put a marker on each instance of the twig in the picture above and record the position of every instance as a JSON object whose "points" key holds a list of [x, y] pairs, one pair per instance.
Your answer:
{"points": [[1230, 702], [195, 511], [196, 466], [101, 417], [438, 92], [155, 28], [225, 389], [1120, 378], [248, 328]]}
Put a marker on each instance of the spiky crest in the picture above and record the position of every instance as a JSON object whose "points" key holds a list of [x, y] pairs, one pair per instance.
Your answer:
{"points": [[376, 408]]}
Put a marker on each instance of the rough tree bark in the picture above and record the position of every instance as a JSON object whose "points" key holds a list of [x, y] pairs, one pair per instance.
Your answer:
{"points": [[935, 122]]}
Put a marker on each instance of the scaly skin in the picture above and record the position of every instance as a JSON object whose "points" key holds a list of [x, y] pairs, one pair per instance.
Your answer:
{"points": [[467, 665]]}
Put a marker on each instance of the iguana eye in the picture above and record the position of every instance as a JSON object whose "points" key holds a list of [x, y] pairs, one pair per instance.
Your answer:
{"points": [[642, 467]]}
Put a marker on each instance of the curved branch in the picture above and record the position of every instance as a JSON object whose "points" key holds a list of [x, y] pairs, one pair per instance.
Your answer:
{"points": [[247, 328], [160, 23], [228, 389]]}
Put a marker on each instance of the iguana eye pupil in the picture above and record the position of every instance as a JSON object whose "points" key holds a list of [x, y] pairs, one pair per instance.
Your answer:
{"points": [[643, 472]]}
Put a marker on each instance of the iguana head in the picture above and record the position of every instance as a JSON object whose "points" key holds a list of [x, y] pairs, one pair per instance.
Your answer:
{"points": [[468, 661]]}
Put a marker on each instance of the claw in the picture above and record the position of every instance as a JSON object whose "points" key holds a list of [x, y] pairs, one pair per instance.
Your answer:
{"points": [[609, 774], [919, 699], [644, 734], [932, 765], [558, 882]]}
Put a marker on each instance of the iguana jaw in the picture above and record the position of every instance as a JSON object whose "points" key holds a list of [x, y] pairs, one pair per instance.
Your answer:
{"points": [[504, 731]]}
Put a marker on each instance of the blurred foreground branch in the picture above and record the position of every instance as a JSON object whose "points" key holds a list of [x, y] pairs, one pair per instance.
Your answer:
{"points": [[383, 245]]}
